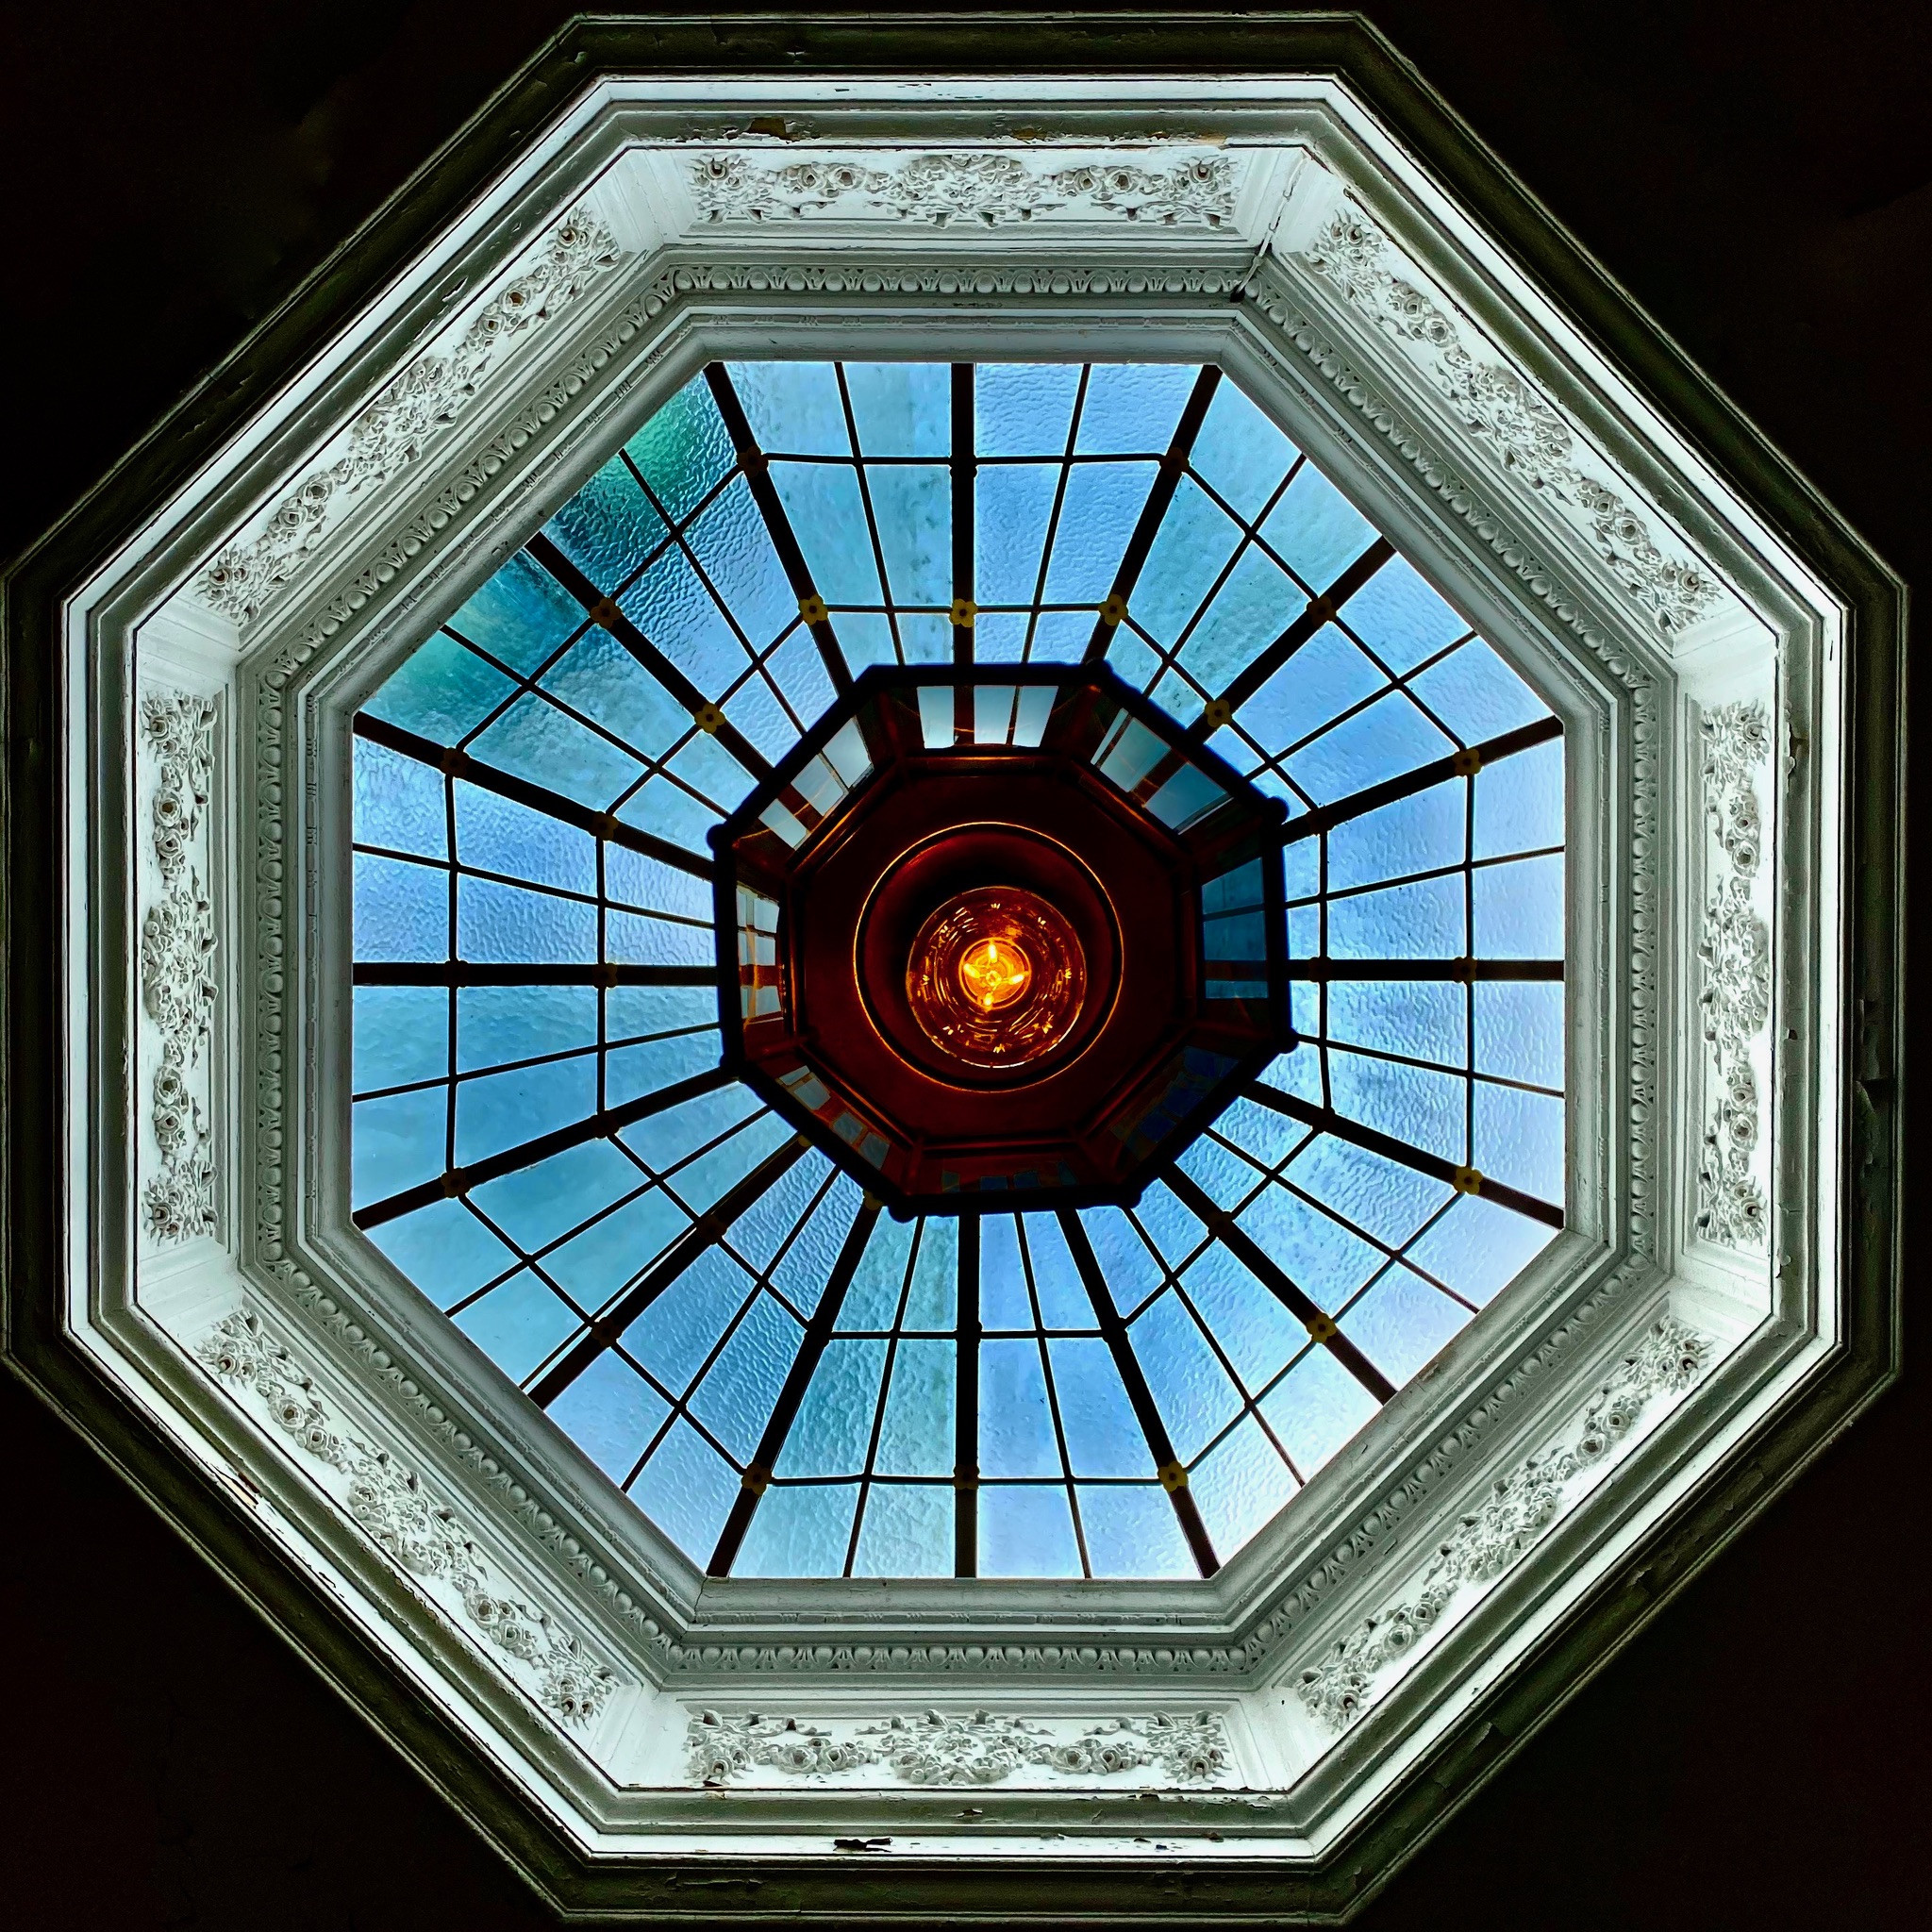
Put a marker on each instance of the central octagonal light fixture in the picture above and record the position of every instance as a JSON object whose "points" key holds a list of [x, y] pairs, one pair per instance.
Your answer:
{"points": [[1001, 939]]}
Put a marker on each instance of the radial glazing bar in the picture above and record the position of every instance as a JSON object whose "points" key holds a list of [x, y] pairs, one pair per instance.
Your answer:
{"points": [[1167, 479], [818, 1334], [1174, 1478], [757, 473], [460, 764], [1320, 610], [705, 1232], [1465, 1180], [595, 1126], [966, 1405], [1272, 1277]]}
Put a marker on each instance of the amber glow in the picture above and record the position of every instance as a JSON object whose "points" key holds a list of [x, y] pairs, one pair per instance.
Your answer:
{"points": [[996, 977], [995, 972]]}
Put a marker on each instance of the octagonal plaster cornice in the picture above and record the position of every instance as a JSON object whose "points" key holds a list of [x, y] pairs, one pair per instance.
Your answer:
{"points": [[1720, 649]]}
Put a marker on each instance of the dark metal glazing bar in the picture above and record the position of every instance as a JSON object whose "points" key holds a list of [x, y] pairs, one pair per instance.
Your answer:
{"points": [[1465, 1180], [1174, 1478], [705, 1232], [818, 1333], [1167, 480], [471, 973], [1320, 610], [460, 764], [595, 1126], [966, 1405], [757, 473], [604, 611], [1272, 1277], [1460, 764], [1457, 972], [964, 469]]}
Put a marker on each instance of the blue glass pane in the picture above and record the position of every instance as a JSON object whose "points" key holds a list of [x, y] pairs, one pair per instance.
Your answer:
{"points": [[799, 1532], [708, 768], [807, 1265], [932, 1299], [1256, 1333], [1064, 1301], [916, 1434], [1478, 1247], [1380, 1196], [518, 1325], [675, 1335], [1519, 910], [1229, 1176], [1322, 1258], [631, 1070], [534, 739], [733, 546], [1132, 1531], [399, 802], [600, 679], [1415, 834], [537, 1204], [755, 1235], [873, 1300], [607, 529], [835, 1421], [1174, 1231], [914, 508], [1412, 1102], [509, 925], [497, 835], [1241, 452], [1401, 619], [738, 1395], [1476, 695], [591, 1267], [1103, 1435], [673, 610], [1418, 1017], [402, 1034], [1240, 1484], [828, 518], [682, 450], [1519, 1139], [1191, 1389], [1004, 1302], [398, 1141], [520, 616], [1401, 1323], [1015, 1424], [610, 1412], [1023, 409], [901, 409], [669, 1138], [402, 910], [501, 1111], [444, 1249], [1250, 610], [1011, 505], [1423, 921], [1519, 1031], [1027, 1532], [442, 692], [1196, 537], [793, 407], [1315, 1408], [700, 1184], [1132, 409], [907, 1531], [1096, 519], [1519, 802], [1326, 676], [1389, 740], [1317, 530], [1126, 1265], [688, 1489], [1264, 1136]]}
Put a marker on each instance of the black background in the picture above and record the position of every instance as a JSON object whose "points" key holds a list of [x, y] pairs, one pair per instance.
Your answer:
{"points": [[1759, 176]]}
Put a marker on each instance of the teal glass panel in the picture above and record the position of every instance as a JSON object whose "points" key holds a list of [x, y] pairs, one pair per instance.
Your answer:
{"points": [[1097, 516], [496, 834], [521, 615], [600, 679], [682, 451], [534, 739], [616, 1248], [1015, 1425], [608, 529], [1251, 608], [675, 1335], [535, 1205], [793, 407], [498, 924], [932, 1295], [1027, 1532], [442, 692], [1195, 540], [518, 1325], [499, 1111]]}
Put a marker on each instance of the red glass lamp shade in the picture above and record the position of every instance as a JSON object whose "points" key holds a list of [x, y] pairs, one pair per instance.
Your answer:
{"points": [[1001, 938]]}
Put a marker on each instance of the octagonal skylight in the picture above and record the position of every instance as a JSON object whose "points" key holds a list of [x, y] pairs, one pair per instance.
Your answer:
{"points": [[548, 1141]]}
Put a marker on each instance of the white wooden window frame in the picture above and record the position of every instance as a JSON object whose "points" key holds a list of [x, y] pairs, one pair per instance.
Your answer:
{"points": [[1698, 660]]}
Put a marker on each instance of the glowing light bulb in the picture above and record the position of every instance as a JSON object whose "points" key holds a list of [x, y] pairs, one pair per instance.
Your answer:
{"points": [[995, 972]]}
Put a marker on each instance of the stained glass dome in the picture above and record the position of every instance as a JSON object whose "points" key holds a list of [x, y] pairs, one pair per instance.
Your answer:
{"points": [[795, 1361]]}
